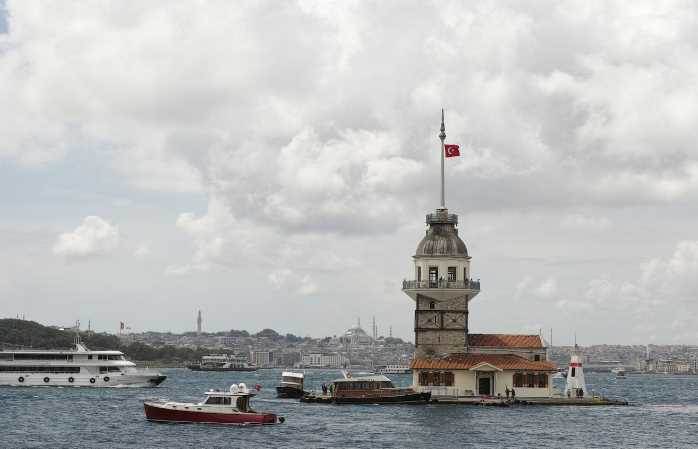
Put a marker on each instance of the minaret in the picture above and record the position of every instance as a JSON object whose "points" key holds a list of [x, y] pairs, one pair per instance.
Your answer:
{"points": [[199, 322], [441, 287]]}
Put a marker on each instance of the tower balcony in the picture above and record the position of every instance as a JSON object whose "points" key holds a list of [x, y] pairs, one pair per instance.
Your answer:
{"points": [[442, 289]]}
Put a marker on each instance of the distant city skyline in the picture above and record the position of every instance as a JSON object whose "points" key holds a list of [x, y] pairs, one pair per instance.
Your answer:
{"points": [[157, 160]]}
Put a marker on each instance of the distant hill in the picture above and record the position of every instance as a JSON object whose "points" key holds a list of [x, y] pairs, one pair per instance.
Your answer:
{"points": [[30, 334]]}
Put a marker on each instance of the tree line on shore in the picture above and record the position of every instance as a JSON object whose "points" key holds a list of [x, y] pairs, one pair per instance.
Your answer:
{"points": [[21, 334]]}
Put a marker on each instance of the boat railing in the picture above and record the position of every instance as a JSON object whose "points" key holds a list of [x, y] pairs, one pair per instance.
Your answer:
{"points": [[468, 284]]}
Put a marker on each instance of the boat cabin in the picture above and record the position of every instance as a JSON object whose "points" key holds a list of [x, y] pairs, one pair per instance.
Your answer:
{"points": [[291, 379], [238, 396], [362, 383]]}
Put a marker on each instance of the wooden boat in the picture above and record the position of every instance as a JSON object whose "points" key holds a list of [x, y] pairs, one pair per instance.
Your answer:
{"points": [[291, 385], [376, 389], [219, 407]]}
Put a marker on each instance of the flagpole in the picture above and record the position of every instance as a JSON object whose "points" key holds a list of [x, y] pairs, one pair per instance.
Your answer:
{"points": [[442, 136]]}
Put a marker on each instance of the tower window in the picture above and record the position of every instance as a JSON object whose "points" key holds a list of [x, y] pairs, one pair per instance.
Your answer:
{"points": [[465, 274], [419, 273], [433, 277], [451, 274], [431, 305]]}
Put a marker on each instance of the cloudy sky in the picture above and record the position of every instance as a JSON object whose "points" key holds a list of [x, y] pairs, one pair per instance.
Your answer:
{"points": [[272, 162]]}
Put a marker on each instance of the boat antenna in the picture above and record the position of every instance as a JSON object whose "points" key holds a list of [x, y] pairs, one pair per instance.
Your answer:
{"points": [[77, 333]]}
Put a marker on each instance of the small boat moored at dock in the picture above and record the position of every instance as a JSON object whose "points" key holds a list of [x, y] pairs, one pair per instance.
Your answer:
{"points": [[291, 385], [219, 407], [376, 389]]}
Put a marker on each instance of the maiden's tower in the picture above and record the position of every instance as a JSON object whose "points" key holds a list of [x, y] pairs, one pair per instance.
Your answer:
{"points": [[450, 361]]}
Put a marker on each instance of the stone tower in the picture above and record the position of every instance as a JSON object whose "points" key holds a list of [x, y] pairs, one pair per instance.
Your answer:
{"points": [[441, 287]]}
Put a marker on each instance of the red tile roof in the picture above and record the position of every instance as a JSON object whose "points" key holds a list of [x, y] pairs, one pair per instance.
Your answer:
{"points": [[505, 341], [467, 361]]}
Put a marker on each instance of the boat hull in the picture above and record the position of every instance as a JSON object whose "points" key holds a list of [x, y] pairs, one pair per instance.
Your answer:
{"points": [[198, 368], [159, 413], [289, 392], [136, 380], [408, 398]]}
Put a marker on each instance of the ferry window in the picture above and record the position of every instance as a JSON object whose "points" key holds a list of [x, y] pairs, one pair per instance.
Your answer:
{"points": [[448, 378], [419, 273], [214, 400], [451, 274], [40, 369], [5, 356], [41, 357], [89, 357], [518, 380], [226, 401]]}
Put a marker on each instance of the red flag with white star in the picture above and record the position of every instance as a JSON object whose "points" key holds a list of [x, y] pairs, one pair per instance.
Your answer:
{"points": [[451, 150]]}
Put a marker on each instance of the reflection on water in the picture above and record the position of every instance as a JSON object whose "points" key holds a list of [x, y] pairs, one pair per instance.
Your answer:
{"points": [[665, 413]]}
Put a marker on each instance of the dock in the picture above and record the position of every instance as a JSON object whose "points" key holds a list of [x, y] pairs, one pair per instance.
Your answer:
{"points": [[473, 400], [572, 401], [314, 398]]}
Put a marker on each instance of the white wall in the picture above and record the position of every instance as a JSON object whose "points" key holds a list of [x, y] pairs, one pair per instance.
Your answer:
{"points": [[443, 263]]}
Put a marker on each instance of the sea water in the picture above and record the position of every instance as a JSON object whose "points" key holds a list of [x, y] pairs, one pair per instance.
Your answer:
{"points": [[664, 414]]}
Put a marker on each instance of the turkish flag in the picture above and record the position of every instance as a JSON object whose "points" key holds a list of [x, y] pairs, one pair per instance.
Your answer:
{"points": [[451, 150]]}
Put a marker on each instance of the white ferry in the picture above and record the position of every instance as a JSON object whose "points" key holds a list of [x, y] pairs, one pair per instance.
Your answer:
{"points": [[394, 369], [79, 367], [222, 362]]}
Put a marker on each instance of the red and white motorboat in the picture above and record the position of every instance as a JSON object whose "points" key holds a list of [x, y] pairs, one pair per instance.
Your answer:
{"points": [[219, 407]]}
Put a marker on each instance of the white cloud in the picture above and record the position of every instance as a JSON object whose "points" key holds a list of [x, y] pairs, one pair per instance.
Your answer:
{"points": [[547, 289], [607, 115], [585, 222], [143, 250], [288, 280], [94, 236]]}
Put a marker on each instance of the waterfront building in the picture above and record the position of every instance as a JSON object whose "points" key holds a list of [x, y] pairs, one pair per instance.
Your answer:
{"points": [[320, 360], [262, 359], [449, 361]]}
